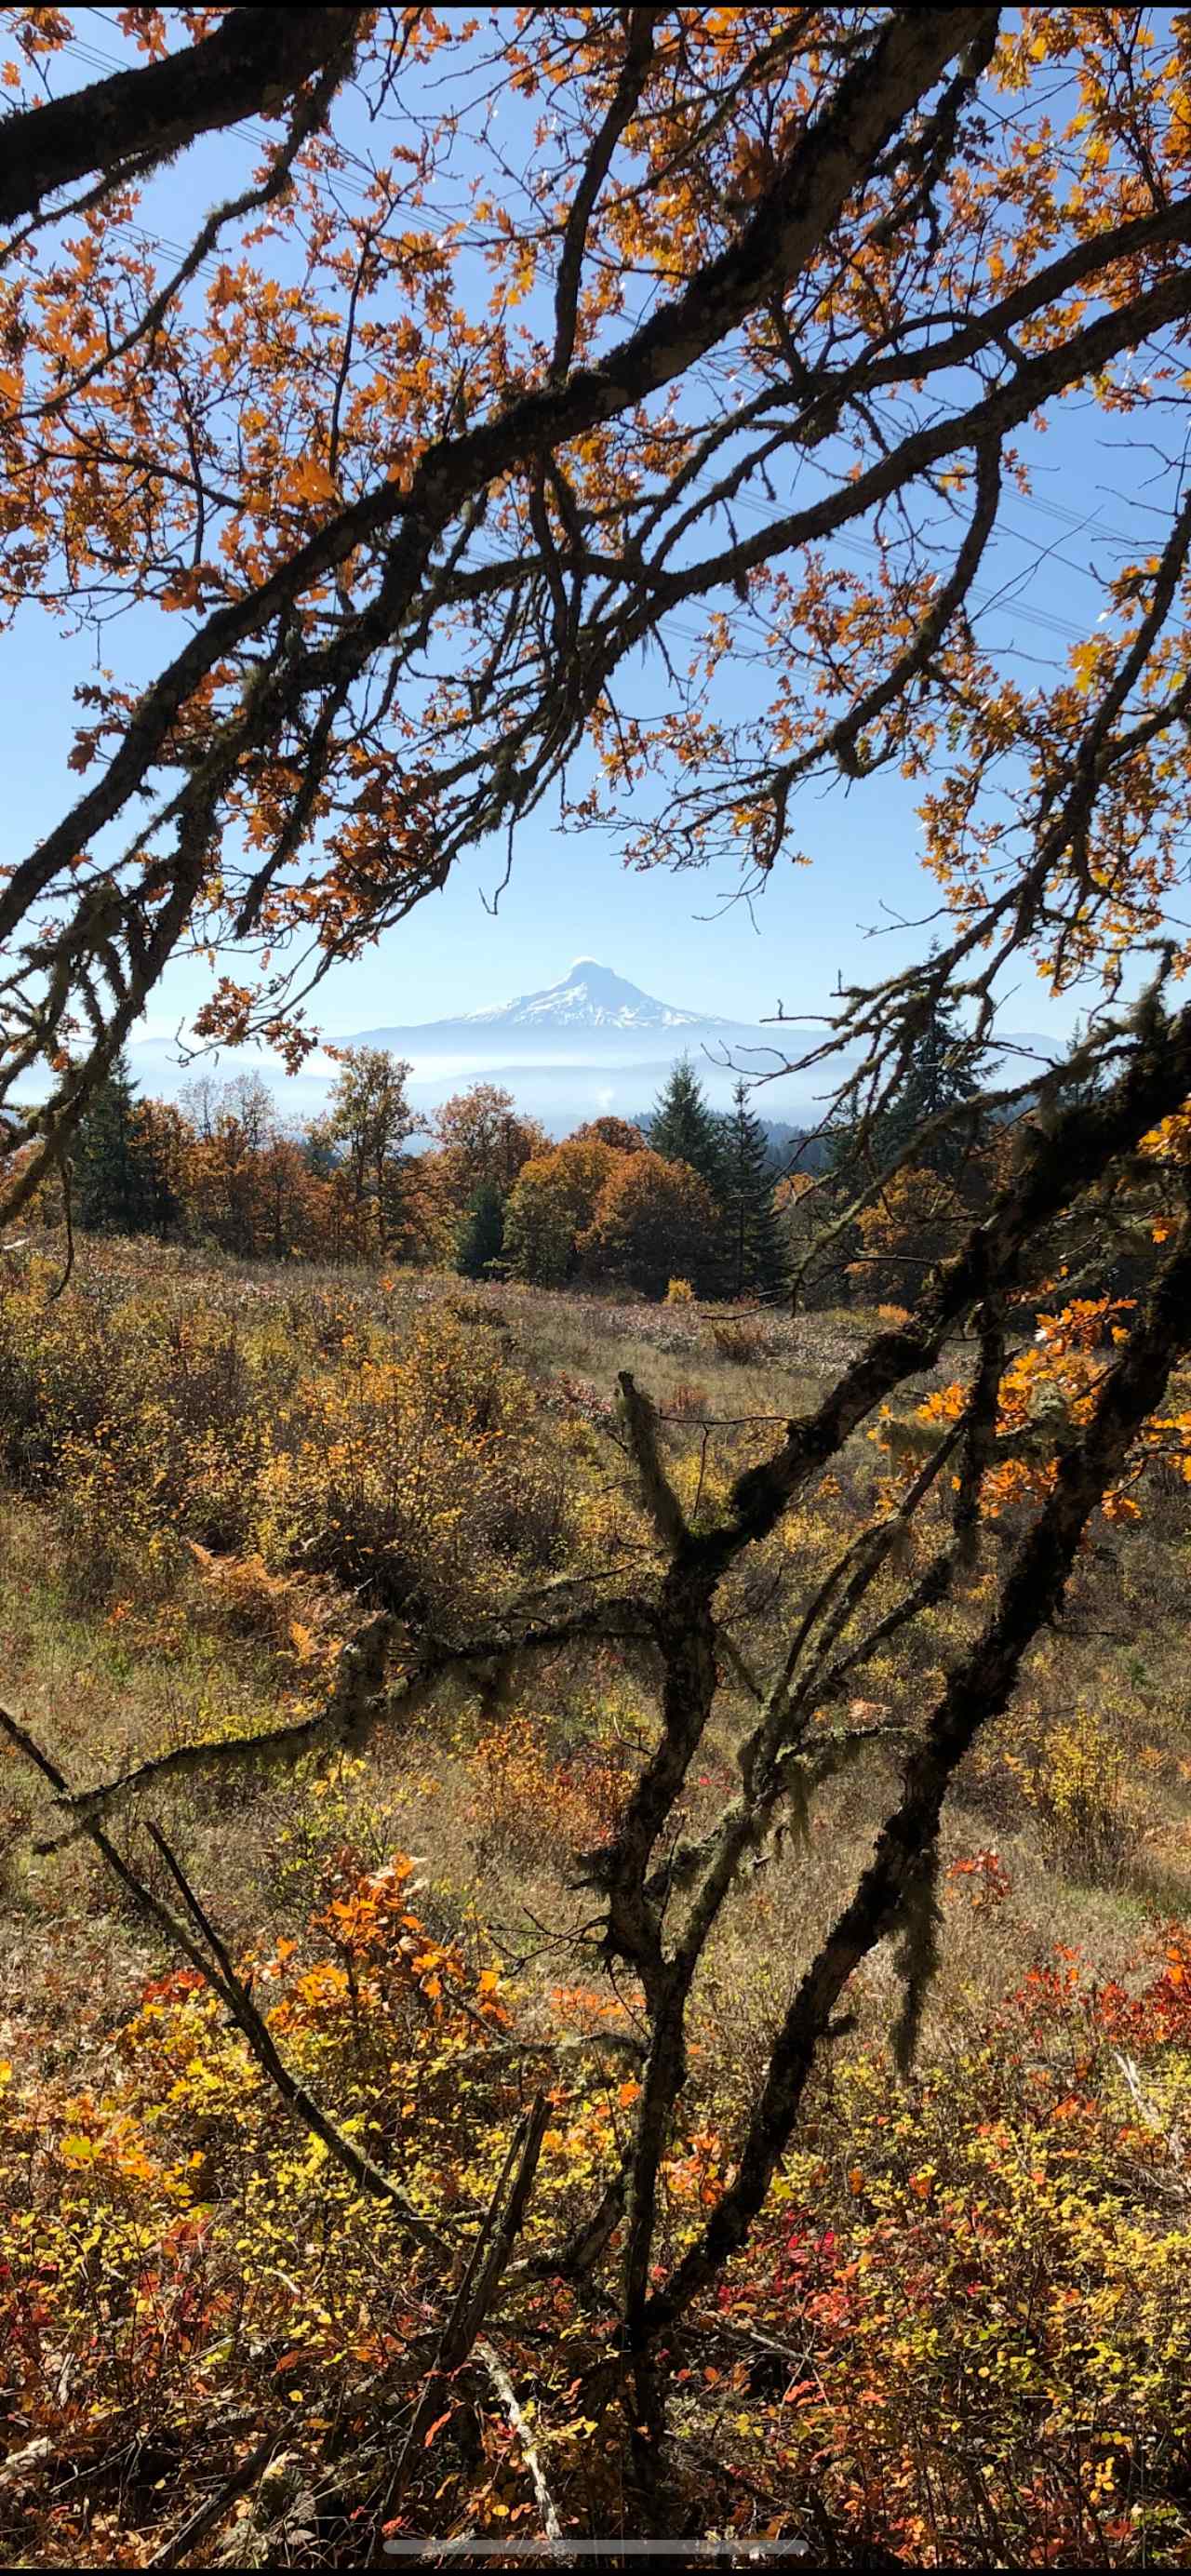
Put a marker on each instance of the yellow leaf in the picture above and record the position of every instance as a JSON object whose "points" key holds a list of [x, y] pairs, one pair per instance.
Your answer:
{"points": [[77, 2150]]}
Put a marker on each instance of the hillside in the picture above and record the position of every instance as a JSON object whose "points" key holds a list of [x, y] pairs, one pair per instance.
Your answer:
{"points": [[284, 1456]]}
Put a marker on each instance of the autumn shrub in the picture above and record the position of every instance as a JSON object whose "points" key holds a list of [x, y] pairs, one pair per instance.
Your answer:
{"points": [[688, 1402], [415, 1475], [524, 1791], [978, 2324], [739, 1338], [946, 2266], [581, 1396], [1075, 1782], [146, 1423], [315, 1438], [238, 2266], [959, 2341]]}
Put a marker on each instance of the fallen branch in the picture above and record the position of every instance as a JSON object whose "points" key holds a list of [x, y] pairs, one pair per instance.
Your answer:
{"points": [[507, 2394], [208, 2515]]}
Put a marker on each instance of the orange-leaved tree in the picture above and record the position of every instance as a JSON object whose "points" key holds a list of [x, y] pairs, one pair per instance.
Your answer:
{"points": [[653, 1220], [484, 1140], [551, 1205]]}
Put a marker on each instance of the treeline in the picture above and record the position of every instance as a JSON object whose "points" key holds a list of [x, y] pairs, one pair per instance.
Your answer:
{"points": [[685, 1194], [860, 1211]]}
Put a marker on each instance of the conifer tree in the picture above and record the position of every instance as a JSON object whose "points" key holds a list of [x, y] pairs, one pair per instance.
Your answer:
{"points": [[482, 1239], [684, 1129], [754, 1254], [943, 1074], [116, 1184]]}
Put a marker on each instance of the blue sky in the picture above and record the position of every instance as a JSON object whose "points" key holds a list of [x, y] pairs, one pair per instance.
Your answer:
{"points": [[682, 936]]}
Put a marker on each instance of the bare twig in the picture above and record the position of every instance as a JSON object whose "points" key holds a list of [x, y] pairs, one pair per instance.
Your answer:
{"points": [[480, 2281]]}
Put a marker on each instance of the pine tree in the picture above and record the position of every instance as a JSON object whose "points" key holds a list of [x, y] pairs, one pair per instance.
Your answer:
{"points": [[754, 1254], [116, 1183], [684, 1129], [482, 1239]]}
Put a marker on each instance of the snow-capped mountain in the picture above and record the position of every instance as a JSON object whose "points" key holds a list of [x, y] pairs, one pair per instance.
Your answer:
{"points": [[588, 996], [589, 1043]]}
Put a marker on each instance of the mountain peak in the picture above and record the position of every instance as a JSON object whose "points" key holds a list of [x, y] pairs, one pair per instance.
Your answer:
{"points": [[590, 996]]}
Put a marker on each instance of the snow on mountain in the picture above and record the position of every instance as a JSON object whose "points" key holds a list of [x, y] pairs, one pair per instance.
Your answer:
{"points": [[589, 996]]}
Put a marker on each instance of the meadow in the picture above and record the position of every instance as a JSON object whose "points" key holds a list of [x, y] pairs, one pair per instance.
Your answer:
{"points": [[959, 2330]]}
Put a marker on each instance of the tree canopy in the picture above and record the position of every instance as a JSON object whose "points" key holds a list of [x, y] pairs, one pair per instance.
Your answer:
{"points": [[423, 439], [922, 1111], [116, 1179], [754, 1253], [654, 1219]]}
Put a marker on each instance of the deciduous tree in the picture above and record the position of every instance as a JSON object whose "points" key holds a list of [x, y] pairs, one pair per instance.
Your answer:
{"points": [[913, 1221], [654, 1221], [621, 1133], [484, 1141], [552, 1204], [371, 1121]]}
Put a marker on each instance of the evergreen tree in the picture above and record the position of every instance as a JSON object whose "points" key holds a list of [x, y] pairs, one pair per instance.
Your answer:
{"points": [[684, 1129], [942, 1074], [160, 1136], [754, 1254], [482, 1240], [116, 1183]]}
